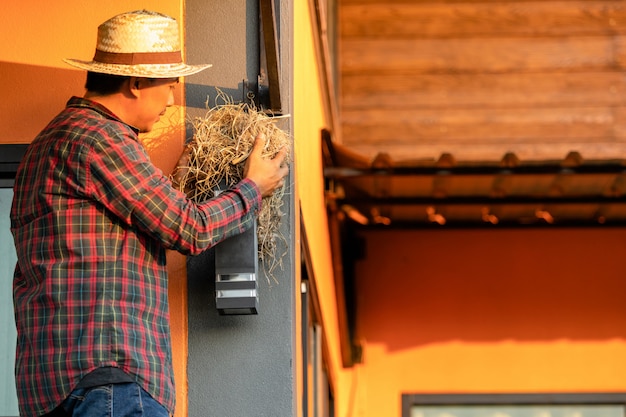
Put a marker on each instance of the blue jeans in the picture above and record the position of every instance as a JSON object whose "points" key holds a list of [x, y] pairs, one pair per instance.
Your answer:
{"points": [[114, 400]]}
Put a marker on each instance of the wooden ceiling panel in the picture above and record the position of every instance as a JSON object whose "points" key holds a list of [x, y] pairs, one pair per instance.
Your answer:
{"points": [[413, 19], [512, 90], [524, 91], [478, 79], [481, 55]]}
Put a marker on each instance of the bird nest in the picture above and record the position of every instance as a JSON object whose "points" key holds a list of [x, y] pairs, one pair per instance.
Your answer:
{"points": [[222, 141]]}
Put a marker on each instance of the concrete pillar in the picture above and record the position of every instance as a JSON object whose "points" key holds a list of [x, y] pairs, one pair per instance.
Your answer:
{"points": [[238, 365]]}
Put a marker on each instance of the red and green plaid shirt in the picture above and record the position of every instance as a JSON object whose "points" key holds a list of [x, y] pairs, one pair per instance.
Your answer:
{"points": [[91, 219]]}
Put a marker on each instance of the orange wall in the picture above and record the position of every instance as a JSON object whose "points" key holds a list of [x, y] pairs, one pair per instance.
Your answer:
{"points": [[308, 121], [35, 37], [35, 83], [489, 311]]}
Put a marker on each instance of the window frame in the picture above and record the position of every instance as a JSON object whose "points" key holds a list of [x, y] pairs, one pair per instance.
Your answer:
{"points": [[10, 156], [410, 400]]}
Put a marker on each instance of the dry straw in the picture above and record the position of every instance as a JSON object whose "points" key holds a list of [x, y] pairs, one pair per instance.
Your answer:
{"points": [[222, 141]]}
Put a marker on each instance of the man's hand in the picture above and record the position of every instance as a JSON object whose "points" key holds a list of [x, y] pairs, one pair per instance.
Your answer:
{"points": [[268, 174]]}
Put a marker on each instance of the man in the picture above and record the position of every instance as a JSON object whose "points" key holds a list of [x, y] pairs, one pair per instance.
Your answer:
{"points": [[91, 220]]}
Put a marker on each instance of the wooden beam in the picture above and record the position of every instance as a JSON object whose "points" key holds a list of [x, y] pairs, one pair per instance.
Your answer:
{"points": [[583, 125], [432, 19], [345, 335], [541, 89], [270, 54], [483, 55]]}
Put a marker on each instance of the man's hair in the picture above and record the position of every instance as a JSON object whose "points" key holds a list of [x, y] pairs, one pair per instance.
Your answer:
{"points": [[104, 84]]}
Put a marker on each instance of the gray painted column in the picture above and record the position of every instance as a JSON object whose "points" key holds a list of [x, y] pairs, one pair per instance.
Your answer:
{"points": [[238, 365]]}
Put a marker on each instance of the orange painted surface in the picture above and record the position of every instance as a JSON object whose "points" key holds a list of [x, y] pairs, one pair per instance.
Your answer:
{"points": [[36, 84], [308, 121], [165, 144], [489, 312], [36, 36]]}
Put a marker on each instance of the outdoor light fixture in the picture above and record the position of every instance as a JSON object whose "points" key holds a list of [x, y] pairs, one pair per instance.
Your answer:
{"points": [[435, 217], [489, 217], [236, 270]]}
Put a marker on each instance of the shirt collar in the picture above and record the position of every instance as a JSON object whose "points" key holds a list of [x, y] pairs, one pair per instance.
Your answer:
{"points": [[81, 102]]}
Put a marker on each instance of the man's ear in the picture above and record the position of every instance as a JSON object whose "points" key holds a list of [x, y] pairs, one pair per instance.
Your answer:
{"points": [[134, 86]]}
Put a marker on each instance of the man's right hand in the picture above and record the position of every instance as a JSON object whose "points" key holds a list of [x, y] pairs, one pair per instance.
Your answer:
{"points": [[268, 174]]}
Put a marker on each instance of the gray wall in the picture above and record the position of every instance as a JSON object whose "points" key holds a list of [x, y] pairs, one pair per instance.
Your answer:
{"points": [[238, 365]]}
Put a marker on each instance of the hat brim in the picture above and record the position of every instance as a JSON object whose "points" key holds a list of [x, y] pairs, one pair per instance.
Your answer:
{"points": [[139, 70]]}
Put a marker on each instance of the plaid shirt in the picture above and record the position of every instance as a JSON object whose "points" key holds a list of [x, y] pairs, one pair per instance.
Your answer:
{"points": [[91, 219]]}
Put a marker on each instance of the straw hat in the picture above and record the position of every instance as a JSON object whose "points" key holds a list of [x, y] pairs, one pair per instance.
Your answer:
{"points": [[141, 44]]}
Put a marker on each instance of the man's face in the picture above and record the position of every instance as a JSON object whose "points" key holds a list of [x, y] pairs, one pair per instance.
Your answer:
{"points": [[156, 95]]}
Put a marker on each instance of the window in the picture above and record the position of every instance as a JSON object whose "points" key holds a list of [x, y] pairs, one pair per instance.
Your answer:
{"points": [[515, 405], [9, 159], [317, 390]]}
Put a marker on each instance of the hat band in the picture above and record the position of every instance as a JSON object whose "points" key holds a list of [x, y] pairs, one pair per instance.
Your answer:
{"points": [[138, 58]]}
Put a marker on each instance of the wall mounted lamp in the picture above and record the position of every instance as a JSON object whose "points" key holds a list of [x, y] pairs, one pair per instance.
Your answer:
{"points": [[236, 271]]}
